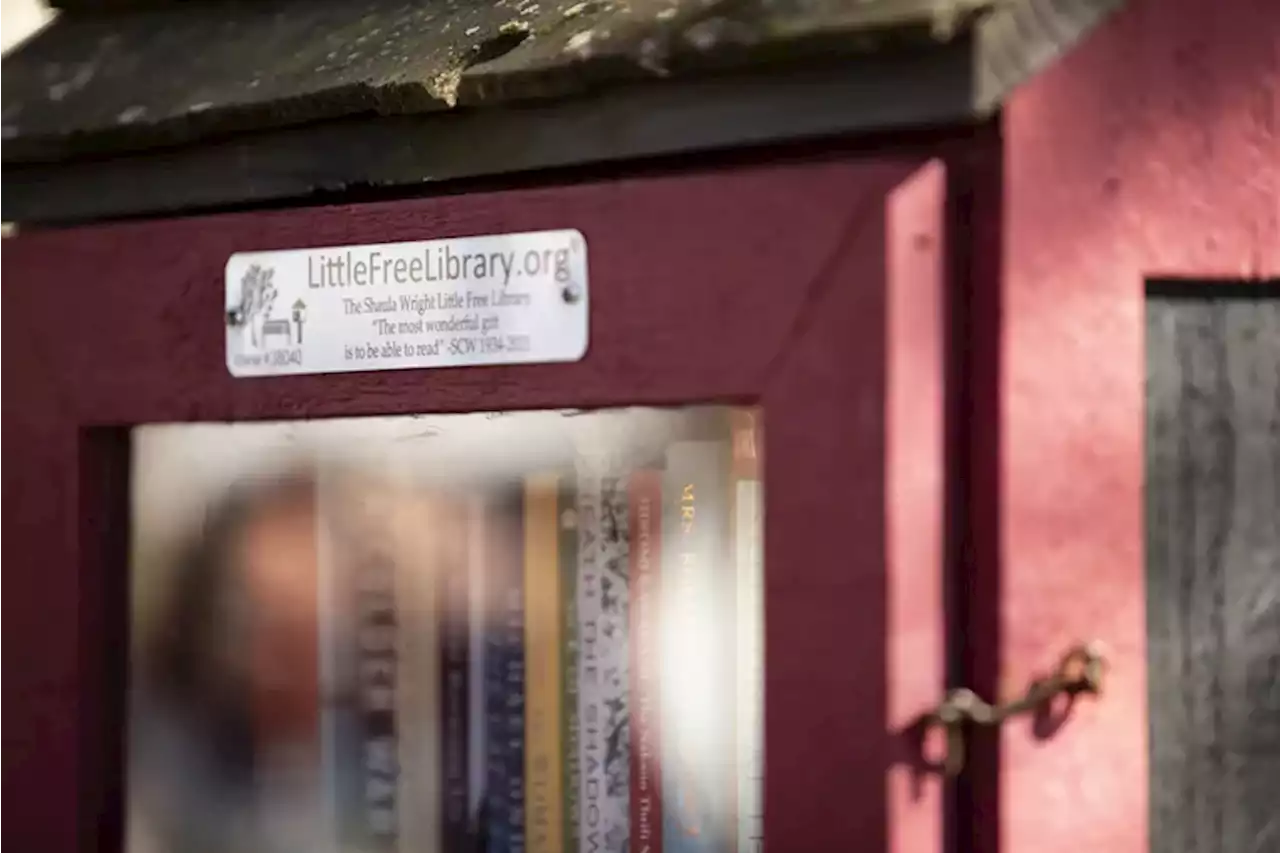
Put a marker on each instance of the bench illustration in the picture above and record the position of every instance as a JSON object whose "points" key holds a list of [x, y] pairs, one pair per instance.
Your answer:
{"points": [[276, 327]]}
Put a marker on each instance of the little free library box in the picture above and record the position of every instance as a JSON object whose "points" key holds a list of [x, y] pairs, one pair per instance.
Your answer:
{"points": [[629, 426]]}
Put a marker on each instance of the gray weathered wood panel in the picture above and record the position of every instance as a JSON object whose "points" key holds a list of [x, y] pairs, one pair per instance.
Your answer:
{"points": [[1213, 568]]}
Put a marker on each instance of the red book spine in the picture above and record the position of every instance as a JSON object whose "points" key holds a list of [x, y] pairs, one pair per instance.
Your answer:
{"points": [[645, 507]]}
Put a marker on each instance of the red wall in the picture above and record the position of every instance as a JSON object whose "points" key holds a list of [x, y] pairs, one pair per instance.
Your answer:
{"points": [[1150, 151]]}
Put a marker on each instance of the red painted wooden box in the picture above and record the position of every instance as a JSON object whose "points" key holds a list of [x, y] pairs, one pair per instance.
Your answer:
{"points": [[814, 291]]}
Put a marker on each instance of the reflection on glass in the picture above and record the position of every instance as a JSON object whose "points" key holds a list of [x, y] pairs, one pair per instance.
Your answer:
{"points": [[522, 632]]}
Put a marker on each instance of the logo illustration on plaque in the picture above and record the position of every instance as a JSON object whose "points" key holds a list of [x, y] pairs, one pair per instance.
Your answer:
{"points": [[260, 336], [257, 296]]}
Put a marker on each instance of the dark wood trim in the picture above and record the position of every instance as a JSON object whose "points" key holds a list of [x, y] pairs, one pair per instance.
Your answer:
{"points": [[927, 88], [104, 608]]}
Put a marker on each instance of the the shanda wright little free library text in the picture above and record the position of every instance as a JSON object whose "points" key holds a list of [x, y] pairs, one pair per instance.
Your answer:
{"points": [[535, 632]]}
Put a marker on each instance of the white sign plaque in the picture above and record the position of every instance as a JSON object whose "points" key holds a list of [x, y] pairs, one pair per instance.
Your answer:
{"points": [[500, 299]]}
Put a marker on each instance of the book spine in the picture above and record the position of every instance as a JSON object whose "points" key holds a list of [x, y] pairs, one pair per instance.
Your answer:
{"points": [[646, 772], [568, 553], [696, 753], [603, 663], [455, 676], [615, 657], [478, 805], [419, 533], [748, 528], [339, 720], [544, 820], [344, 728], [378, 674], [505, 685], [588, 585]]}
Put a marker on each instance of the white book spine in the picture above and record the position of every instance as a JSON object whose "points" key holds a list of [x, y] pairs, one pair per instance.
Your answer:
{"points": [[418, 531], [603, 665], [749, 667]]}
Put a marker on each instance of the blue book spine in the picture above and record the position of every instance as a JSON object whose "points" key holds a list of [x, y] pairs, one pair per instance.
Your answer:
{"points": [[478, 804], [504, 686], [455, 644]]}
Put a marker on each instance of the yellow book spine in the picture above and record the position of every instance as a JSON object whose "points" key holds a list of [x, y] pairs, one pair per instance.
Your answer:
{"points": [[544, 671]]}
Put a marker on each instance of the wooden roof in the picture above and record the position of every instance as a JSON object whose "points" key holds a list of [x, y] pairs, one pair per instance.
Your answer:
{"points": [[306, 95]]}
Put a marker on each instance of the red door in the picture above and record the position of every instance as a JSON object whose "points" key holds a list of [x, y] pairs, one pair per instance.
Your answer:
{"points": [[813, 291]]}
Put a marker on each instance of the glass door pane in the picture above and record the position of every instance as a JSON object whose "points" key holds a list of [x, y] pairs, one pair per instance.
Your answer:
{"points": [[531, 631]]}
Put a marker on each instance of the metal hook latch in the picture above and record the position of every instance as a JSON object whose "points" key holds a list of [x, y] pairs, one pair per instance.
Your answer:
{"points": [[1081, 670]]}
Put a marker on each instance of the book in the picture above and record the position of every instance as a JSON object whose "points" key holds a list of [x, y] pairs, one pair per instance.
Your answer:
{"points": [[568, 557], [505, 676], [419, 532], [341, 723], [697, 666], [382, 556], [362, 547], [645, 498], [478, 619], [748, 525], [603, 660], [543, 762], [454, 583]]}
